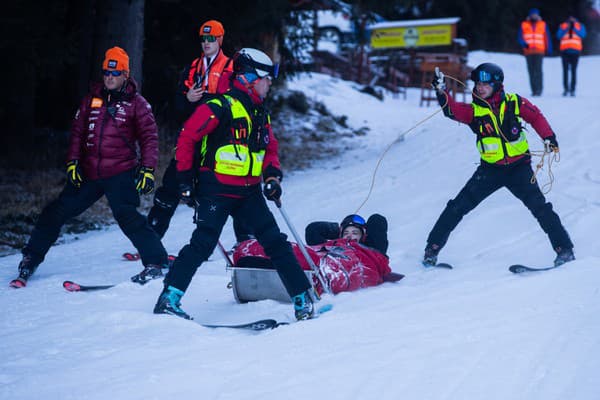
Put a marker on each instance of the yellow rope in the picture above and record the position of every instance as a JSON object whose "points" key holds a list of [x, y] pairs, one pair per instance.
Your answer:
{"points": [[536, 153]]}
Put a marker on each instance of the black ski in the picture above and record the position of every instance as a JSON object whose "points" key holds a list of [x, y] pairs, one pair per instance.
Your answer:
{"points": [[260, 325], [266, 324], [520, 269], [75, 287], [439, 265]]}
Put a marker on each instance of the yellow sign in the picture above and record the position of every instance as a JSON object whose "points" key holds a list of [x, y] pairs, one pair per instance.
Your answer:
{"points": [[413, 36]]}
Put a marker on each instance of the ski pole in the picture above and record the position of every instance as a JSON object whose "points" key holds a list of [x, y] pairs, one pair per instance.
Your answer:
{"points": [[309, 260], [224, 254]]}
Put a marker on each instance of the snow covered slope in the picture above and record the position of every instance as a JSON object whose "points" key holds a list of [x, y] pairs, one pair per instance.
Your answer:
{"points": [[476, 332]]}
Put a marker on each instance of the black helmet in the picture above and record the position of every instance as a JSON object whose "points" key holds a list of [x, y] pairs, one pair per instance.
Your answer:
{"points": [[354, 220], [249, 60], [488, 73]]}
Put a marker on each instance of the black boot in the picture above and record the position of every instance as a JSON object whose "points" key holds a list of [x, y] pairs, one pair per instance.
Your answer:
{"points": [[150, 272], [430, 256], [563, 255]]}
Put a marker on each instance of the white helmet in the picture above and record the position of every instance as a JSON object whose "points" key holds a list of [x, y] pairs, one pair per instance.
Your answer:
{"points": [[255, 61]]}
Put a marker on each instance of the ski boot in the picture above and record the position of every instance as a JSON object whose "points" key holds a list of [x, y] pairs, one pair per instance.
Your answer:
{"points": [[169, 302], [430, 257], [27, 267], [563, 256], [303, 306], [151, 271]]}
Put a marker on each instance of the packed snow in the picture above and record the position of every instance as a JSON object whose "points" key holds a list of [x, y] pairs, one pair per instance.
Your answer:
{"points": [[475, 332]]}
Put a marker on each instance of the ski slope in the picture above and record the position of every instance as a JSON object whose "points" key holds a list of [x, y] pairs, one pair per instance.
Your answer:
{"points": [[476, 332]]}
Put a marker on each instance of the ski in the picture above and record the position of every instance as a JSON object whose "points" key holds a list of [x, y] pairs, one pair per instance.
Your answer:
{"points": [[75, 287], [519, 269], [392, 277], [439, 265], [265, 324], [136, 256], [131, 256], [260, 325]]}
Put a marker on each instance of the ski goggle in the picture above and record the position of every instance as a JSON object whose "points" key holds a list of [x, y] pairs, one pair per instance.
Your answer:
{"points": [[264, 70], [208, 38], [107, 72], [353, 220]]}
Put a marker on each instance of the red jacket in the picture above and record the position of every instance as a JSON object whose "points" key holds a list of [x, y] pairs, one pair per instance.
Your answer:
{"points": [[463, 112], [204, 122], [346, 265], [107, 145]]}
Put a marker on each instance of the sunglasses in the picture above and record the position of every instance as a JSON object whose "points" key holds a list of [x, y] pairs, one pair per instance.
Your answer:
{"points": [[107, 72], [208, 38]]}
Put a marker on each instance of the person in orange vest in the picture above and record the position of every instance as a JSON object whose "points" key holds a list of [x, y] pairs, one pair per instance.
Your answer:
{"points": [[570, 33], [208, 74], [535, 40]]}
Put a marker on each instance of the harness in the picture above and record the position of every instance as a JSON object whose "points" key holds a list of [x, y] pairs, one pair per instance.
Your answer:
{"points": [[238, 145], [499, 136]]}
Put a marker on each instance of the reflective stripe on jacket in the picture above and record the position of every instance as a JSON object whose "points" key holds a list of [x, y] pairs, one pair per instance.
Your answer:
{"points": [[571, 40], [502, 136], [534, 34], [232, 152]]}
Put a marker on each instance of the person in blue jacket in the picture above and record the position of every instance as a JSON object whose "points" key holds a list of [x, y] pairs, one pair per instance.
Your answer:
{"points": [[570, 34], [536, 42]]}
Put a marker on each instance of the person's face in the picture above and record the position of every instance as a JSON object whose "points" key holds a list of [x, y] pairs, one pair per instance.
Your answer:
{"points": [[113, 82], [352, 233], [262, 86], [210, 48], [484, 89], [534, 17]]}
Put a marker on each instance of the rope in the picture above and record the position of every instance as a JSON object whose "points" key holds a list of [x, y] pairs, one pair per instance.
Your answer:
{"points": [[400, 137], [534, 153]]}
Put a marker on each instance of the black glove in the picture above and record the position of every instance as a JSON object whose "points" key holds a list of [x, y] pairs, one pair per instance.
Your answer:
{"points": [[272, 172], [145, 180], [74, 173], [438, 80], [185, 180], [550, 144], [272, 190]]}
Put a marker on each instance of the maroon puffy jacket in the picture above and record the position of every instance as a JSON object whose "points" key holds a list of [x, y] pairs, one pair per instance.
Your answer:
{"points": [[109, 143]]}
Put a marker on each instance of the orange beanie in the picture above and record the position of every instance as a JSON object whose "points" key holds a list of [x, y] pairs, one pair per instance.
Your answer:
{"points": [[212, 27], [116, 58]]}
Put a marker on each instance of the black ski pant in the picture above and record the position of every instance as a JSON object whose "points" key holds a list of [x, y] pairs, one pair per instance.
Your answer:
{"points": [[211, 214], [166, 200], [485, 181], [536, 75], [569, 64], [123, 200]]}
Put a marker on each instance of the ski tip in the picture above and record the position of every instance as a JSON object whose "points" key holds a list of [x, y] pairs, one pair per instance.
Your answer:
{"points": [[325, 308], [392, 277], [71, 286], [18, 283], [131, 256]]}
